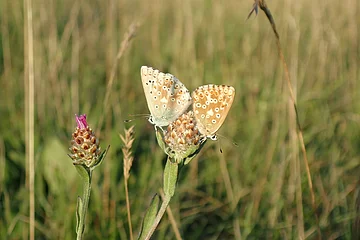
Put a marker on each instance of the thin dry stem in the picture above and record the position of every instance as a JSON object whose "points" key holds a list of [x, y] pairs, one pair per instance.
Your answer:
{"points": [[29, 79], [2, 165], [356, 222], [57, 54], [5, 39], [129, 35], [229, 193], [266, 10], [110, 31], [128, 140], [124, 45], [267, 164], [75, 63]]}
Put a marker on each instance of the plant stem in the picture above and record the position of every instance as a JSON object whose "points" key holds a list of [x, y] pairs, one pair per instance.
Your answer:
{"points": [[160, 214], [30, 110], [84, 206], [268, 14], [172, 220]]}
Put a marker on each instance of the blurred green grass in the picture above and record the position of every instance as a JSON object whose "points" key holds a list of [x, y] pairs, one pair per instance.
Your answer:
{"points": [[258, 188]]}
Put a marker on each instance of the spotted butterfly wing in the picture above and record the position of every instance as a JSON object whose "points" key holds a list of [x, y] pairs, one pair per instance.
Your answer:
{"points": [[166, 96], [211, 104]]}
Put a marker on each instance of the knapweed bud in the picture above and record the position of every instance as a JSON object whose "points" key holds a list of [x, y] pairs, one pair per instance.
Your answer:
{"points": [[85, 149], [183, 138]]}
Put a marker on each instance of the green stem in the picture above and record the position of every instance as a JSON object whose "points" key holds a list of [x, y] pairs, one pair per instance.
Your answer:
{"points": [[160, 214], [84, 206]]}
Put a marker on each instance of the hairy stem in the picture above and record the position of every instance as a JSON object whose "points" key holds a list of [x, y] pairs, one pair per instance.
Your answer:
{"points": [[84, 206]]}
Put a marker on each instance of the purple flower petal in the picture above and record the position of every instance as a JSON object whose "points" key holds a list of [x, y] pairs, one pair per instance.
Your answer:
{"points": [[81, 121]]}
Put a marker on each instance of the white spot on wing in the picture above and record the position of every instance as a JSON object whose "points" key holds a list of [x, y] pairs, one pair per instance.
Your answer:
{"points": [[210, 112], [164, 100]]}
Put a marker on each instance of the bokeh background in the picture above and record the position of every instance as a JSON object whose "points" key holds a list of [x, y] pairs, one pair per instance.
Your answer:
{"points": [[255, 190]]}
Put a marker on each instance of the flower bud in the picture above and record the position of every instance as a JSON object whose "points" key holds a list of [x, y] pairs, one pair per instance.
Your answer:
{"points": [[183, 138], [85, 149]]}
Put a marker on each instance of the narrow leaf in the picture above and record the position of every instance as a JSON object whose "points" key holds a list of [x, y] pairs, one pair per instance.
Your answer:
{"points": [[101, 157], [149, 216]]}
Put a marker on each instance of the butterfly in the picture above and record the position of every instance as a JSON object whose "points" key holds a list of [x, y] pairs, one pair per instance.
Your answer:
{"points": [[211, 104], [167, 98]]}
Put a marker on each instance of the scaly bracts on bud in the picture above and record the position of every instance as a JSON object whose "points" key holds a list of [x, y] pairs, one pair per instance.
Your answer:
{"points": [[85, 149], [182, 139]]}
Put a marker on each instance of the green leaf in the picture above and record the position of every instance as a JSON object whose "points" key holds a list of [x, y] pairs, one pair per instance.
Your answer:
{"points": [[150, 216], [170, 177], [79, 207], [53, 164], [100, 158], [83, 171], [192, 152]]}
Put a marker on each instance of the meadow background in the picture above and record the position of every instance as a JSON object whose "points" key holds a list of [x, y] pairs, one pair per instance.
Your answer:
{"points": [[256, 190]]}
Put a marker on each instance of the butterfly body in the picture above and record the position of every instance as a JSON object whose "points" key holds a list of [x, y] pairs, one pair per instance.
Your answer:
{"points": [[211, 104], [166, 96]]}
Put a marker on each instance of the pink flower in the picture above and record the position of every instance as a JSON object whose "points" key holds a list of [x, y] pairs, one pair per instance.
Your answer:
{"points": [[81, 121]]}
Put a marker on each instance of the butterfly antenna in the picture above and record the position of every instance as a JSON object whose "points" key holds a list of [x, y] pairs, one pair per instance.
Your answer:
{"points": [[139, 115], [227, 139], [136, 116], [220, 149]]}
